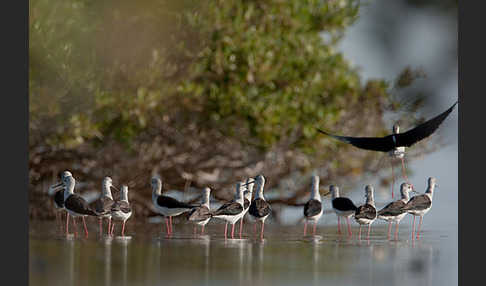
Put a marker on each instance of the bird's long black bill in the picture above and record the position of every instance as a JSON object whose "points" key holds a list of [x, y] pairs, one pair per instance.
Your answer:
{"points": [[249, 183], [115, 188]]}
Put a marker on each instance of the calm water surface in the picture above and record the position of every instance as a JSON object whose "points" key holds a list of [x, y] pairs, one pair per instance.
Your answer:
{"points": [[285, 257]]}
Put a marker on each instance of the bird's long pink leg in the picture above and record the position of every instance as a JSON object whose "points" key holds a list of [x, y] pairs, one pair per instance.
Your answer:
{"points": [[396, 230], [233, 231], [403, 170], [202, 230], [85, 228], [349, 227], [75, 227], [263, 227], [413, 228], [123, 229], [112, 228], [359, 235], [241, 226], [305, 227], [339, 225], [420, 225], [67, 223], [393, 177], [167, 225], [314, 230], [225, 230], [369, 229]]}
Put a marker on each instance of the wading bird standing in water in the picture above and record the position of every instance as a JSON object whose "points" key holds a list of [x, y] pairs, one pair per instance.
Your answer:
{"points": [[121, 210], [419, 205], [395, 211], [102, 206], [167, 206], [259, 207], [313, 207], [201, 215], [57, 192], [247, 195], [394, 144], [366, 214], [343, 207], [75, 205], [232, 211]]}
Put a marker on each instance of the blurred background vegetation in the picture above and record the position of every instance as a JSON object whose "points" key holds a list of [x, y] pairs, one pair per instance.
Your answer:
{"points": [[204, 93]]}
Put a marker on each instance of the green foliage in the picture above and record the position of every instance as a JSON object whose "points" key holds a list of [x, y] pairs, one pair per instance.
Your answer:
{"points": [[257, 71]]}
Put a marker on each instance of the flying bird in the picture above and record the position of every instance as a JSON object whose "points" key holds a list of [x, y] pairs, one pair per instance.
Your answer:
{"points": [[394, 144]]}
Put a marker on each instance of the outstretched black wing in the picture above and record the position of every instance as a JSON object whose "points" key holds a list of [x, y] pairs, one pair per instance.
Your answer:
{"points": [[382, 144], [422, 131]]}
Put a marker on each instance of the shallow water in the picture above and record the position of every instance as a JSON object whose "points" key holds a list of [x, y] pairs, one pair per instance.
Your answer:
{"points": [[284, 257]]}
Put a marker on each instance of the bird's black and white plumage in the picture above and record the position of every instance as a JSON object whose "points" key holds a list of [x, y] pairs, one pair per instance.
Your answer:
{"points": [[366, 214], [121, 210], [166, 205], [102, 206], [421, 204], [395, 211], [57, 191], [343, 207], [391, 142], [313, 207], [201, 215], [260, 209], [232, 211], [74, 204]]}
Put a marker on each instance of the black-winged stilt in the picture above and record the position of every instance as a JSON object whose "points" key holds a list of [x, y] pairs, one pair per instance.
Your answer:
{"points": [[419, 205], [366, 214], [313, 207], [102, 206], [75, 205], [232, 211], [259, 207], [394, 144], [394, 211], [167, 206], [201, 215], [121, 210], [343, 207]]}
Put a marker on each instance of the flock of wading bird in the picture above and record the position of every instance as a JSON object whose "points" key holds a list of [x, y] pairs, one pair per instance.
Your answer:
{"points": [[233, 211]]}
